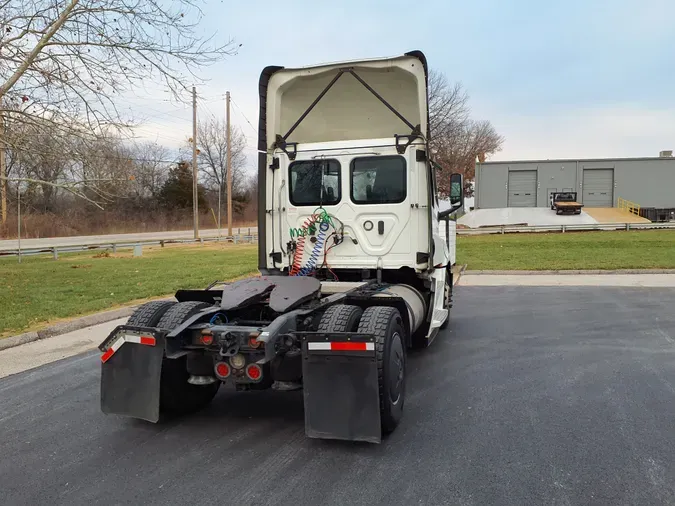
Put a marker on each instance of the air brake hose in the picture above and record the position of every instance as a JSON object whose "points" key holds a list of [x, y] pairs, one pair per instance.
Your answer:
{"points": [[316, 252], [309, 228]]}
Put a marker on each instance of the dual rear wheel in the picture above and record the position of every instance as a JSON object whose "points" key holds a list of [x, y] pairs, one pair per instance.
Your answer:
{"points": [[176, 395], [386, 324]]}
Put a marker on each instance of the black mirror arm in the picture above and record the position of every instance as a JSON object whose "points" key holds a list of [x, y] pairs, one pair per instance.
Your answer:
{"points": [[444, 214]]}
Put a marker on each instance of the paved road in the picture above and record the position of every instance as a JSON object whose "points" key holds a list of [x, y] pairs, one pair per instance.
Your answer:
{"points": [[533, 396], [104, 239], [626, 280]]}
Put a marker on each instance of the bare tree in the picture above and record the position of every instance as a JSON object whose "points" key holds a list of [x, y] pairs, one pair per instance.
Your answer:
{"points": [[106, 165], [151, 168], [48, 167], [457, 140], [212, 158], [448, 107], [63, 63], [76, 56]]}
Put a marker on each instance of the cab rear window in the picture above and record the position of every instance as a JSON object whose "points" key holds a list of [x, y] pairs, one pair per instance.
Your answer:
{"points": [[314, 182], [378, 180]]}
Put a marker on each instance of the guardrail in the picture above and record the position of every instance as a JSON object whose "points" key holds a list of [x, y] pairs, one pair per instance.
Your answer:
{"points": [[137, 246], [508, 229], [252, 238]]}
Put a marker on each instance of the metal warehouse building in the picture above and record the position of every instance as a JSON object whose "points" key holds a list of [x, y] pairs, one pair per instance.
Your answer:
{"points": [[649, 182]]}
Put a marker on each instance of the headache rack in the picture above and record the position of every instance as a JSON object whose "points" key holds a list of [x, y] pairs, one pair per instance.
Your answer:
{"points": [[565, 203]]}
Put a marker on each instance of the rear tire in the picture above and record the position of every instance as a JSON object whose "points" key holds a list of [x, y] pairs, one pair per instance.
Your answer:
{"points": [[179, 313], [149, 314], [176, 395], [387, 326], [340, 318]]}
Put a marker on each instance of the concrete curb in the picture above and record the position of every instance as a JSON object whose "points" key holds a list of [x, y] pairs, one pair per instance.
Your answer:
{"points": [[458, 274], [575, 272], [65, 327], [11, 342], [106, 316]]}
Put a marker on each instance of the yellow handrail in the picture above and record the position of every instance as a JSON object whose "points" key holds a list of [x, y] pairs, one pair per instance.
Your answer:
{"points": [[627, 205]]}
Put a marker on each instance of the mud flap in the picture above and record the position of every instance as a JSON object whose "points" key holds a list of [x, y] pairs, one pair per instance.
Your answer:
{"points": [[131, 371], [341, 390]]}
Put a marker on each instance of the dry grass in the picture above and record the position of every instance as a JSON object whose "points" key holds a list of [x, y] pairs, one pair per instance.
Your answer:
{"points": [[35, 226]]}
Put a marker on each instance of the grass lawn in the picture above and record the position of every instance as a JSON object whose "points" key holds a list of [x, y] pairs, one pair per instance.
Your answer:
{"points": [[645, 249], [41, 290]]}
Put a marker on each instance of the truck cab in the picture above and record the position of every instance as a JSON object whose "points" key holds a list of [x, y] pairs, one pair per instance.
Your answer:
{"points": [[351, 139], [354, 267]]}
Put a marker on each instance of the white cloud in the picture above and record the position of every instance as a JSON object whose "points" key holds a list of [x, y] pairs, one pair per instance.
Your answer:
{"points": [[587, 133]]}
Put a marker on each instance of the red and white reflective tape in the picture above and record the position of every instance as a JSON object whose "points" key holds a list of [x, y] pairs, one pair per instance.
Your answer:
{"points": [[146, 340], [341, 346]]}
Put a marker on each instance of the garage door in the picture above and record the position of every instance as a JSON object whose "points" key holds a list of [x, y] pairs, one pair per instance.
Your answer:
{"points": [[598, 187], [522, 188]]}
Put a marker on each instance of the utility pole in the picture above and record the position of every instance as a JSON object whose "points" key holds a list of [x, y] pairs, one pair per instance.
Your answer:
{"points": [[3, 173], [229, 168], [18, 213], [195, 193], [220, 192]]}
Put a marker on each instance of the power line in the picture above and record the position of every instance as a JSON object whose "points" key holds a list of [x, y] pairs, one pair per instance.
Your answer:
{"points": [[118, 158], [244, 115], [158, 136], [208, 110], [158, 114]]}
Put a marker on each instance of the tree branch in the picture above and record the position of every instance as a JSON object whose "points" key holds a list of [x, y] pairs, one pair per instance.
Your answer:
{"points": [[38, 48]]}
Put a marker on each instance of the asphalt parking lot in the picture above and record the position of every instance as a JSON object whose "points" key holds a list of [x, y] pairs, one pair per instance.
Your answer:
{"points": [[534, 395]]}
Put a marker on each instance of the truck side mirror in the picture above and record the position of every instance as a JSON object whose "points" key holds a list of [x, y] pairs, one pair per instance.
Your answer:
{"points": [[456, 190], [456, 196]]}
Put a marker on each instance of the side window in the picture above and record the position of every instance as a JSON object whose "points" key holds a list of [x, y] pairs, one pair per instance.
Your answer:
{"points": [[314, 182], [378, 180]]}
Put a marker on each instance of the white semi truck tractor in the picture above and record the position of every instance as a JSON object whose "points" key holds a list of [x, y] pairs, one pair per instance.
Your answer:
{"points": [[355, 261]]}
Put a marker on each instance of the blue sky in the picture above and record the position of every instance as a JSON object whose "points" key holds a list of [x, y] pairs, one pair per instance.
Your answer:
{"points": [[557, 79]]}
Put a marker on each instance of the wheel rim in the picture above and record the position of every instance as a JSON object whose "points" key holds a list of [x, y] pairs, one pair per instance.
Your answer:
{"points": [[396, 368]]}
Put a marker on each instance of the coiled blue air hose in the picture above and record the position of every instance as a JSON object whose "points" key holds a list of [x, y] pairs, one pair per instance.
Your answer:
{"points": [[316, 251]]}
